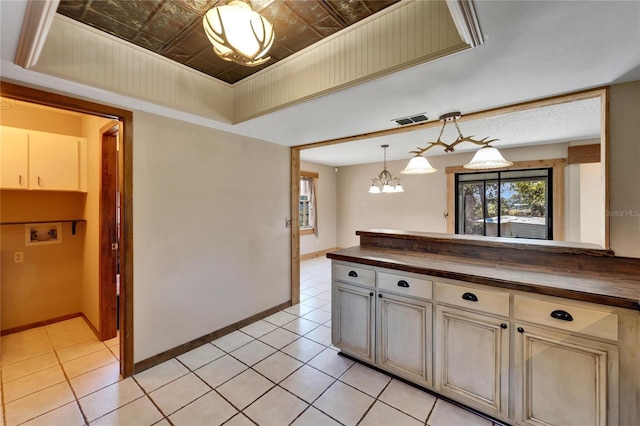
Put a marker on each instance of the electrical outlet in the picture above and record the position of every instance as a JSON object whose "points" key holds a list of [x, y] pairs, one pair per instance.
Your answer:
{"points": [[18, 257]]}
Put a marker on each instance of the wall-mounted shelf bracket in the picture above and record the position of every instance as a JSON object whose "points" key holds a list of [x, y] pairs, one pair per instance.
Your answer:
{"points": [[74, 222]]}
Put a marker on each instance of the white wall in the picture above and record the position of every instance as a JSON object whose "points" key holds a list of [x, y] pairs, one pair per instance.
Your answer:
{"points": [[423, 205], [326, 205], [624, 173], [210, 246]]}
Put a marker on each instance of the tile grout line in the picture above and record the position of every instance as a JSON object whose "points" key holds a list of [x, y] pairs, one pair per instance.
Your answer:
{"points": [[64, 372]]}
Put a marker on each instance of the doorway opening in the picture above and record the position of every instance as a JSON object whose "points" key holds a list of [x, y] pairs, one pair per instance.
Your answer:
{"points": [[112, 312]]}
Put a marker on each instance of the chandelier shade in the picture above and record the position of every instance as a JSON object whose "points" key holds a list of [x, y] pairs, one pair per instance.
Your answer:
{"points": [[418, 165], [385, 182], [487, 157], [238, 33]]}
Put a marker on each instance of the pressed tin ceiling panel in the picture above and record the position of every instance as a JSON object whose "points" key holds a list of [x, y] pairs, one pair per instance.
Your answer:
{"points": [[173, 28]]}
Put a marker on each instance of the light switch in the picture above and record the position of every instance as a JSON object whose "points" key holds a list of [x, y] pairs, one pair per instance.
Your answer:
{"points": [[18, 257]]}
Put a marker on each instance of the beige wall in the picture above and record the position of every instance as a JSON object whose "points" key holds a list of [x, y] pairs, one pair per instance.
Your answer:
{"points": [[209, 237], [326, 199], [423, 205], [47, 284], [624, 182]]}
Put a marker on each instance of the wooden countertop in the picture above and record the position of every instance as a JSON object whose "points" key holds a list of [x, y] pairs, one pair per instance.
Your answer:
{"points": [[609, 288]]}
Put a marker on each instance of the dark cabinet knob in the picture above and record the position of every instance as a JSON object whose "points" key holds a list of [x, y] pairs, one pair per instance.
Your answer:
{"points": [[470, 297], [561, 315], [403, 283], [520, 330], [353, 274], [371, 294], [503, 325], [379, 295]]}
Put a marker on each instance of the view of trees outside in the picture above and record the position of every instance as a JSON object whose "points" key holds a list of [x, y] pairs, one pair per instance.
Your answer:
{"points": [[518, 198]]}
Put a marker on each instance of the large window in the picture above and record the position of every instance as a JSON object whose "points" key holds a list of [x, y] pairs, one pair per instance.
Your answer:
{"points": [[514, 203], [307, 218]]}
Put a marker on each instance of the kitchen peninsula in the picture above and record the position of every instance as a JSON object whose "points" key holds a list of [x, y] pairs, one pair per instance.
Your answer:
{"points": [[526, 331]]}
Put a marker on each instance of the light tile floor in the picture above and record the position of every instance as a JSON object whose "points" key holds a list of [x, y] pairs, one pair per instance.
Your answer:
{"points": [[278, 371]]}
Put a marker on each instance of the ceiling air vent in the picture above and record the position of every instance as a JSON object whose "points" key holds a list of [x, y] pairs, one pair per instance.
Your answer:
{"points": [[415, 118]]}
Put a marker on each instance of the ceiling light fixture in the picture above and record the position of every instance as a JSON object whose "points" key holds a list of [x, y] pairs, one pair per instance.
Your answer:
{"points": [[238, 33], [385, 180], [486, 157]]}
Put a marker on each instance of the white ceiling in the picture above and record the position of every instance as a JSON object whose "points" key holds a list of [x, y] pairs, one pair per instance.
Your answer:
{"points": [[532, 50]]}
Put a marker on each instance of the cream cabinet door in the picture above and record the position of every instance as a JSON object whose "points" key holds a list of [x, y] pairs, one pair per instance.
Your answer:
{"points": [[404, 337], [14, 156], [563, 379], [54, 162], [472, 359], [353, 320]]}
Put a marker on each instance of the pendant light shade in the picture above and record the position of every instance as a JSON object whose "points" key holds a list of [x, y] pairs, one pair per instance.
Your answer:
{"points": [[418, 165], [238, 33], [487, 157], [374, 189]]}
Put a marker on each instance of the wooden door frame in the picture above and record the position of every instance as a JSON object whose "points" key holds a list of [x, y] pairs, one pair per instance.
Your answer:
{"points": [[108, 234], [36, 96]]}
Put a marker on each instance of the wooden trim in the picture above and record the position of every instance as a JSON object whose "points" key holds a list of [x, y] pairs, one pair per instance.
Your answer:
{"points": [[558, 166], [584, 154], [186, 347], [605, 163], [295, 229], [40, 324], [558, 202], [312, 175], [126, 249], [95, 331], [315, 254], [523, 106], [451, 203], [306, 231]]}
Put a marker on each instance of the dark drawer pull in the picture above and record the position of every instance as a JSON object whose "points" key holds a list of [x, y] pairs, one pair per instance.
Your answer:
{"points": [[561, 315], [353, 274], [371, 294], [470, 297], [403, 283]]}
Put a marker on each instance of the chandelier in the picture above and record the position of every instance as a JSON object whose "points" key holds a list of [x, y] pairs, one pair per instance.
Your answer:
{"points": [[238, 33], [487, 157], [385, 182]]}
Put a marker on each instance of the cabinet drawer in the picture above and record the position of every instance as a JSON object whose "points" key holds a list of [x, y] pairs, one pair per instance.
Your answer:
{"points": [[407, 286], [493, 302], [354, 274], [579, 320]]}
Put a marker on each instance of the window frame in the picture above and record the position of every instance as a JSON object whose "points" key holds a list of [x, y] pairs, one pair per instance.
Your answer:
{"points": [[314, 176], [498, 176], [557, 178]]}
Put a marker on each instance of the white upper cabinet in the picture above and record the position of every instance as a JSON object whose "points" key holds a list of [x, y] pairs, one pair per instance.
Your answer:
{"points": [[43, 161], [14, 155]]}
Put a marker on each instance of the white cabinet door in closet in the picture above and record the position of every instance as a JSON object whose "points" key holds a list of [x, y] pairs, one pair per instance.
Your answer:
{"points": [[54, 162], [14, 154]]}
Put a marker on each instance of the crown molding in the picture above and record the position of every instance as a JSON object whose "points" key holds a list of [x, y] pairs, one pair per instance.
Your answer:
{"points": [[35, 27], [464, 16]]}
